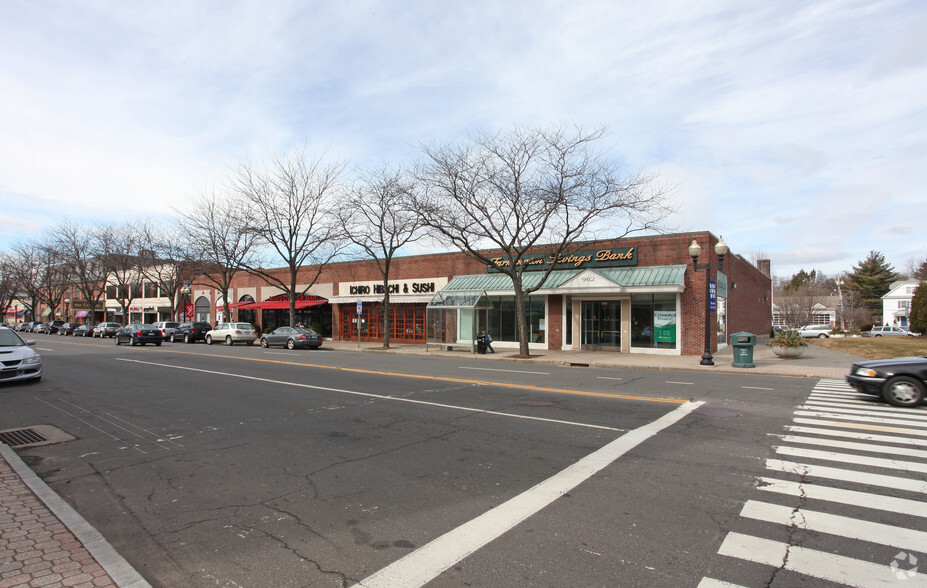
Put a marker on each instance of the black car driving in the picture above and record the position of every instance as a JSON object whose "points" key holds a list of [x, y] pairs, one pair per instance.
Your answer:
{"points": [[900, 381]]}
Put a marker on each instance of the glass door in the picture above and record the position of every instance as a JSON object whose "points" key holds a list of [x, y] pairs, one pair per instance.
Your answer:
{"points": [[601, 325]]}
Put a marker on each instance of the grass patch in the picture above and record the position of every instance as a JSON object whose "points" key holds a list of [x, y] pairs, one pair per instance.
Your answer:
{"points": [[877, 347]]}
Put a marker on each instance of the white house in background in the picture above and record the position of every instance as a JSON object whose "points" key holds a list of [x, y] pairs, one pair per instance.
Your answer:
{"points": [[896, 304], [823, 312]]}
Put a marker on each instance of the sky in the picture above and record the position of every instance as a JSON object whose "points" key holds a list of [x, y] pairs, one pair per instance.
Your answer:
{"points": [[797, 130]]}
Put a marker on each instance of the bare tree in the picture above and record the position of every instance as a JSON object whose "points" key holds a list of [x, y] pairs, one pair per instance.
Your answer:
{"points": [[80, 248], [25, 271], [516, 190], [376, 217], [292, 210], [8, 288], [121, 247], [223, 243], [167, 261]]}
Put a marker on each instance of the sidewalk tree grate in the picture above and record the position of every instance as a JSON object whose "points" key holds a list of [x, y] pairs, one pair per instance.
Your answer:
{"points": [[21, 437]]}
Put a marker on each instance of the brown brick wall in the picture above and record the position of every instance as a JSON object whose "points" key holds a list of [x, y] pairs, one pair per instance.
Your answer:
{"points": [[749, 288]]}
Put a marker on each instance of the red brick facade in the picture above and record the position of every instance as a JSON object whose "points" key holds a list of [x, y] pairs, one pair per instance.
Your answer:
{"points": [[749, 288]]}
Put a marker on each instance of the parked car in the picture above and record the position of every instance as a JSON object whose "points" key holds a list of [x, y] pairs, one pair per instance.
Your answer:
{"points": [[106, 330], [41, 328], [900, 381], [890, 331], [810, 331], [232, 333], [83, 331], [54, 326], [67, 329], [19, 361], [191, 332], [292, 337], [166, 328], [136, 334]]}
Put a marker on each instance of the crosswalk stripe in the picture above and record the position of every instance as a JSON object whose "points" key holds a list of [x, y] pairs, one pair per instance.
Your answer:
{"points": [[712, 583], [842, 407], [878, 462], [883, 481], [869, 447], [841, 526], [856, 435], [862, 426], [839, 495], [850, 417], [813, 563]]}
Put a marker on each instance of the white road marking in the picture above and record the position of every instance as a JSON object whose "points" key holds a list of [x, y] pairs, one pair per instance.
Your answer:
{"points": [[756, 388], [859, 435], [878, 462], [681, 383], [501, 370], [427, 562], [897, 420], [847, 476], [844, 409], [607, 378], [863, 426], [867, 447], [839, 495], [810, 562], [840, 526], [712, 583], [378, 396]]}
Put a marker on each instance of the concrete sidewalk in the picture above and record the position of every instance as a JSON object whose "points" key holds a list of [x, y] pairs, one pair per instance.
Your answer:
{"points": [[816, 362], [44, 542]]}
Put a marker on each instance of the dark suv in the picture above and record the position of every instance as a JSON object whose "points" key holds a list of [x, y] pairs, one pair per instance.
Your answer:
{"points": [[190, 332]]}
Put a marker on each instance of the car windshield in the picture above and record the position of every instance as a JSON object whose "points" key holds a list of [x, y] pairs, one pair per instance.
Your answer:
{"points": [[10, 339], [244, 327], [147, 327]]}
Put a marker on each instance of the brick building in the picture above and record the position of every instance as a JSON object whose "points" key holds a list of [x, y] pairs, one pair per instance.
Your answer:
{"points": [[632, 295]]}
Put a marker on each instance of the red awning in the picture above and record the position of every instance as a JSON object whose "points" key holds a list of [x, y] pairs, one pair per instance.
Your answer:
{"points": [[83, 314], [280, 304]]}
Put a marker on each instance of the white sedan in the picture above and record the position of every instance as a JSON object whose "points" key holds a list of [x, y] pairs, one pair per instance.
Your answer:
{"points": [[232, 333]]}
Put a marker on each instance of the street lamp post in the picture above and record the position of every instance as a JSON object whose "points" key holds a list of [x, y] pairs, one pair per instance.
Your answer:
{"points": [[67, 310], [694, 251], [185, 293], [843, 324]]}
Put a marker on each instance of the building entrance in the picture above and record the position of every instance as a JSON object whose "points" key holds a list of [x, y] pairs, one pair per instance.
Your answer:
{"points": [[601, 325]]}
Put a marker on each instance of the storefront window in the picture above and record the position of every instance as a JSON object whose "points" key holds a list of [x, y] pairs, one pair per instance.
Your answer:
{"points": [[503, 323], [653, 321]]}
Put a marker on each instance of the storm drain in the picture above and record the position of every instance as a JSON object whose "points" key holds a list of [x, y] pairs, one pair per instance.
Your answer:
{"points": [[33, 436], [21, 437]]}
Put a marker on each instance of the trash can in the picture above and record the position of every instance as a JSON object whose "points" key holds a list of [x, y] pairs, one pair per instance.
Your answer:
{"points": [[480, 344], [743, 344]]}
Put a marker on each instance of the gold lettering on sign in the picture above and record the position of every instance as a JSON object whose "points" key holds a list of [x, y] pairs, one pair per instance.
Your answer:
{"points": [[609, 255]]}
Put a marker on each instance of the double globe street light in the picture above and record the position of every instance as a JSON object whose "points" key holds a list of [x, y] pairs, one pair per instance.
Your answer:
{"points": [[694, 251]]}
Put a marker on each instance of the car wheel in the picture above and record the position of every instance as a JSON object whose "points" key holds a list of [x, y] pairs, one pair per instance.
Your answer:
{"points": [[228, 340], [157, 343], [133, 341], [117, 341], [208, 339], [822, 336], [878, 335], [186, 339], [903, 391], [264, 343], [290, 344]]}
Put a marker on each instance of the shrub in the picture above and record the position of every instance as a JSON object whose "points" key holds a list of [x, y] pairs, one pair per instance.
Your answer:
{"points": [[787, 339]]}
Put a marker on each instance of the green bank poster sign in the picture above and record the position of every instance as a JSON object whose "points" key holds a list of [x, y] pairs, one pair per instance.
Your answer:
{"points": [[616, 257], [664, 326]]}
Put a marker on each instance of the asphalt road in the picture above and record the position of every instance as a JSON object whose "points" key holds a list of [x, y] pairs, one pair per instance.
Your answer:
{"points": [[238, 466]]}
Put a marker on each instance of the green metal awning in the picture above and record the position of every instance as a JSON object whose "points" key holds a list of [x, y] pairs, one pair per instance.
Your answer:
{"points": [[665, 276], [446, 299]]}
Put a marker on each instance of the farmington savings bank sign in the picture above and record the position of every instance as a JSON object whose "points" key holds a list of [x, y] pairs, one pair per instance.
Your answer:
{"points": [[619, 256]]}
